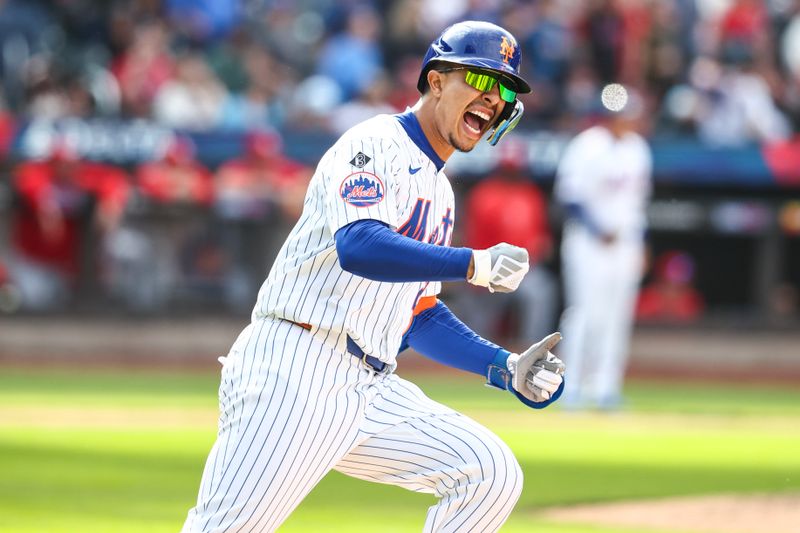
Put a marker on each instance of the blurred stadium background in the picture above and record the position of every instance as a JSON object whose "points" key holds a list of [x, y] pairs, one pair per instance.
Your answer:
{"points": [[188, 130]]}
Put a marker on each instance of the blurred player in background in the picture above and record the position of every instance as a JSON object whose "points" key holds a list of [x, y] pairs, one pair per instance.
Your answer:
{"points": [[604, 183], [175, 191], [177, 178], [64, 202], [309, 385], [670, 296], [264, 180], [259, 198]]}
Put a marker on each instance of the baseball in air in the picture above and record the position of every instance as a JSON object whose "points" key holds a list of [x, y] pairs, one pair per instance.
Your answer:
{"points": [[614, 97]]}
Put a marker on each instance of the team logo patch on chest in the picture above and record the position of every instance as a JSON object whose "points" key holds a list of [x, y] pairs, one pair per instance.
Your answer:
{"points": [[362, 189]]}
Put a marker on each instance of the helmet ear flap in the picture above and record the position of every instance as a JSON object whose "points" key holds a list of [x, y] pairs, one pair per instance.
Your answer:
{"points": [[507, 121], [507, 110]]}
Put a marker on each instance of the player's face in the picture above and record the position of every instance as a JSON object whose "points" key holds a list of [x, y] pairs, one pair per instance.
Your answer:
{"points": [[465, 113]]}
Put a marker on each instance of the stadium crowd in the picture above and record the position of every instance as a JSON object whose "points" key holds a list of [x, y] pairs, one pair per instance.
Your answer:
{"points": [[726, 72]]}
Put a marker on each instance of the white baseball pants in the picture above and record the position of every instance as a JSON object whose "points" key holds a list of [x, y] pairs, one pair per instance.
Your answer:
{"points": [[292, 409], [601, 284]]}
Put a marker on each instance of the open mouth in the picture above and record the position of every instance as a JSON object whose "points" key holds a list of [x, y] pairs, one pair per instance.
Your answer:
{"points": [[476, 121]]}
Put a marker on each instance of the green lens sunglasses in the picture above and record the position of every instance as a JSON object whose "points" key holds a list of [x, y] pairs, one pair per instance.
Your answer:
{"points": [[485, 82]]}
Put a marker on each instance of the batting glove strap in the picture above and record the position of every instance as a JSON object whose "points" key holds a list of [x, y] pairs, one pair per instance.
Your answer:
{"points": [[499, 377], [497, 373]]}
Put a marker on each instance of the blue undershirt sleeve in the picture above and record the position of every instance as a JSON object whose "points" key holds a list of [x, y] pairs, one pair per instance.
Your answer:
{"points": [[438, 334], [370, 249]]}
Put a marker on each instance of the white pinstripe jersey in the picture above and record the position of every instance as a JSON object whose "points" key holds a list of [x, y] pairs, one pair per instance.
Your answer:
{"points": [[610, 178], [376, 170]]}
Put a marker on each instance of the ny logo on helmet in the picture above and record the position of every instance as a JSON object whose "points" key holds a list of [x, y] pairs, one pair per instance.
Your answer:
{"points": [[507, 49]]}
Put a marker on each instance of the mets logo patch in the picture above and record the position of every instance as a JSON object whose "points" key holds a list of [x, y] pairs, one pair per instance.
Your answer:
{"points": [[362, 189]]}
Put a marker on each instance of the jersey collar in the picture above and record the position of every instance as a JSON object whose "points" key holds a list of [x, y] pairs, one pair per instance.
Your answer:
{"points": [[410, 123]]}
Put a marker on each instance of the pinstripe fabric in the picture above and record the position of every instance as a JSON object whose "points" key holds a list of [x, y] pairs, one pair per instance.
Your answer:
{"points": [[409, 440], [294, 404], [306, 283], [292, 409]]}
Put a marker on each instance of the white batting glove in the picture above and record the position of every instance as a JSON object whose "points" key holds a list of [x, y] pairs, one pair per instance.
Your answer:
{"points": [[537, 373], [500, 268]]}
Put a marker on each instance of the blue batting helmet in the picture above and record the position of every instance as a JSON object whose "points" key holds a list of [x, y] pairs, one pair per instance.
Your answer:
{"points": [[478, 44]]}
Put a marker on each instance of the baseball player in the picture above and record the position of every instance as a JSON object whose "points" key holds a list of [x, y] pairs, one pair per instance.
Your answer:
{"points": [[604, 181], [309, 385]]}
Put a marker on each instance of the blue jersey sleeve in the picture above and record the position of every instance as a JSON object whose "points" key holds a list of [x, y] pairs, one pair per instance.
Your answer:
{"points": [[370, 249]]}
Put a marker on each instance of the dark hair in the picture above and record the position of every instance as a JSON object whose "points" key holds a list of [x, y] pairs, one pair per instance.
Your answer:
{"points": [[439, 66]]}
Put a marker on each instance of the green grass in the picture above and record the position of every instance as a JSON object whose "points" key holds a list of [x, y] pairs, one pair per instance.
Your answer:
{"points": [[133, 388], [123, 452]]}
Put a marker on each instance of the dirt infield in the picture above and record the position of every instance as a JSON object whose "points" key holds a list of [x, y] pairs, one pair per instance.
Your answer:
{"points": [[774, 513]]}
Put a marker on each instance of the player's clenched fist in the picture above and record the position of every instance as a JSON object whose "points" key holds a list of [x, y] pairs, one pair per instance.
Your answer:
{"points": [[500, 268], [537, 373]]}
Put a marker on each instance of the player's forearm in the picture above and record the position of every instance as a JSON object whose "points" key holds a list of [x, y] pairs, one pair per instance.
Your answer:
{"points": [[438, 334], [370, 249]]}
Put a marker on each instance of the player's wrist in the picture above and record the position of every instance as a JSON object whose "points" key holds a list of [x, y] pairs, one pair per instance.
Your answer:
{"points": [[481, 268], [511, 362], [498, 374]]}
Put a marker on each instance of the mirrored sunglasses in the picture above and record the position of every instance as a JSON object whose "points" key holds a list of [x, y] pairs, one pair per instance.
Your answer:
{"points": [[485, 81]]}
